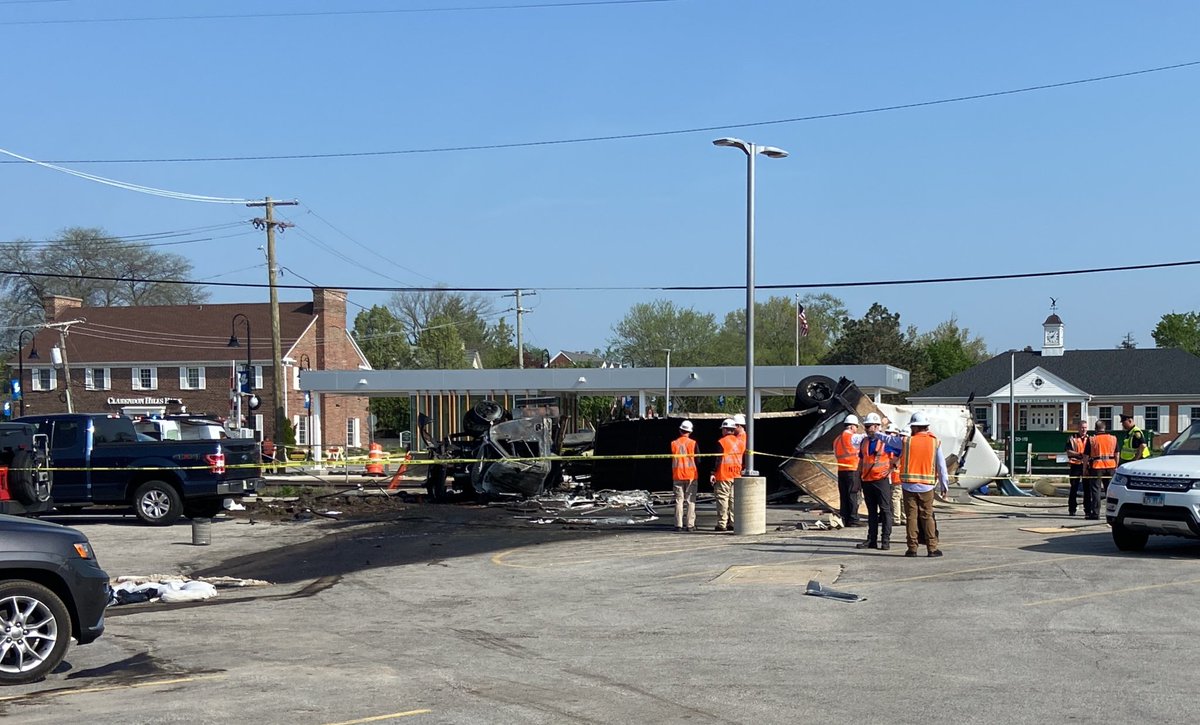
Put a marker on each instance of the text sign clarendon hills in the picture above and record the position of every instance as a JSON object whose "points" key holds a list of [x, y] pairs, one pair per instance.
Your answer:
{"points": [[144, 401]]}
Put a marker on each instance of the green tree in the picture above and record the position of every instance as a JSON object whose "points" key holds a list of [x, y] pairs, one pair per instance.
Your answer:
{"points": [[650, 327], [1179, 329], [89, 252], [878, 339], [775, 331], [439, 346], [383, 341], [949, 349]]}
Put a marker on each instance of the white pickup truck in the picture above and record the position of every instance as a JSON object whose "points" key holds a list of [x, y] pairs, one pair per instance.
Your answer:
{"points": [[1157, 495]]}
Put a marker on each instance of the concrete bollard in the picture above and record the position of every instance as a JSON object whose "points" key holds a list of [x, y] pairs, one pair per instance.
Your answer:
{"points": [[201, 532], [750, 505]]}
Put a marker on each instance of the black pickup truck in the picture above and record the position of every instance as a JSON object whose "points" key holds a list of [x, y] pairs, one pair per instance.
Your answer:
{"points": [[97, 459]]}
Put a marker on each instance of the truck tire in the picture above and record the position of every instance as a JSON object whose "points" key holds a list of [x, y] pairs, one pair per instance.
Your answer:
{"points": [[157, 503], [23, 479], [1127, 540], [42, 646], [814, 392]]}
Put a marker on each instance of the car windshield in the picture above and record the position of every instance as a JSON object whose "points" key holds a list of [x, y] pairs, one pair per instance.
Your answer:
{"points": [[1187, 443]]}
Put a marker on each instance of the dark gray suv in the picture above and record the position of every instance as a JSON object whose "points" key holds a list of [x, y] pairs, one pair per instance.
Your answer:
{"points": [[51, 589]]}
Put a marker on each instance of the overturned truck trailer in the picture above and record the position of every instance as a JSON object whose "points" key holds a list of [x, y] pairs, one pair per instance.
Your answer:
{"points": [[793, 449]]}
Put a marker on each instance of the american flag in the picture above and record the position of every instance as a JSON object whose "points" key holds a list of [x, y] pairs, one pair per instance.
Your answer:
{"points": [[802, 319]]}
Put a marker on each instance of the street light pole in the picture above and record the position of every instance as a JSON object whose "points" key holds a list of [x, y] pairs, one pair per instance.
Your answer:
{"points": [[1012, 416], [33, 355], [751, 151], [233, 342]]}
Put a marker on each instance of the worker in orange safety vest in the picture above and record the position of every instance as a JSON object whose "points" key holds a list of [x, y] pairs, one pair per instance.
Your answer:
{"points": [[922, 472], [729, 467], [874, 472], [683, 476], [1101, 462], [845, 449]]}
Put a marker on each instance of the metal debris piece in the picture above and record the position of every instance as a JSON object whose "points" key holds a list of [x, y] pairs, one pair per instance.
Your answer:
{"points": [[607, 520], [815, 589]]}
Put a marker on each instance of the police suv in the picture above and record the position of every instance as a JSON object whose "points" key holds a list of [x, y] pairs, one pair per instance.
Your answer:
{"points": [[1157, 495]]}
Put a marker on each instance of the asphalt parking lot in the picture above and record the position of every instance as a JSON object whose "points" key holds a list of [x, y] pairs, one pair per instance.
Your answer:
{"points": [[456, 614]]}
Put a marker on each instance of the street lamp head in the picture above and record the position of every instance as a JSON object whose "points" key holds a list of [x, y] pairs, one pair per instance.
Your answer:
{"points": [[773, 152], [233, 341], [33, 354], [736, 143]]}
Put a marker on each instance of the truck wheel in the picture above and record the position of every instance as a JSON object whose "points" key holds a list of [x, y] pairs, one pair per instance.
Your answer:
{"points": [[23, 479], [1127, 540], [35, 629], [205, 509], [814, 392], [157, 503]]}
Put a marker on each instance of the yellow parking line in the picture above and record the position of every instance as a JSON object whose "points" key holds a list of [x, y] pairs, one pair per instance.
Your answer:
{"points": [[377, 718], [1060, 600], [500, 559], [109, 688]]}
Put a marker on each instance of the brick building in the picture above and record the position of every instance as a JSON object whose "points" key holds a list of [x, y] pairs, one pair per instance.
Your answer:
{"points": [[172, 359]]}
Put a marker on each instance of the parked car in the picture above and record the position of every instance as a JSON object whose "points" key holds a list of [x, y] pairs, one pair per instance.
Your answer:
{"points": [[1157, 495], [51, 589], [98, 460]]}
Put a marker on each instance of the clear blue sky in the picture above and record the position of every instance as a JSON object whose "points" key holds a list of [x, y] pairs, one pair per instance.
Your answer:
{"points": [[1090, 175]]}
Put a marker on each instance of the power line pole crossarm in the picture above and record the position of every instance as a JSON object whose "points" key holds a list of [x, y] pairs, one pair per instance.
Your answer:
{"points": [[520, 329], [269, 224]]}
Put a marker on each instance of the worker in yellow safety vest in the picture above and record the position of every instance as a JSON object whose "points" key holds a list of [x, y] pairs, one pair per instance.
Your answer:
{"points": [[1134, 446]]}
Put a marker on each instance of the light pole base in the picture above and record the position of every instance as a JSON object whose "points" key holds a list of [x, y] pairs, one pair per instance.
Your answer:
{"points": [[750, 505]]}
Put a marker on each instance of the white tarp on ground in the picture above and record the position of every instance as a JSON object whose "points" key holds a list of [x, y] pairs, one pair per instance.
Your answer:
{"points": [[952, 424]]}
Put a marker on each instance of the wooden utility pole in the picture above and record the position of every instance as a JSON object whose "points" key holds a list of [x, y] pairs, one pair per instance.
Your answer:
{"points": [[63, 328], [520, 330], [277, 383]]}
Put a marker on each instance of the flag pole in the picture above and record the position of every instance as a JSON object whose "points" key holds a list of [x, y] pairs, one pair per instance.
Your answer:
{"points": [[797, 363]]}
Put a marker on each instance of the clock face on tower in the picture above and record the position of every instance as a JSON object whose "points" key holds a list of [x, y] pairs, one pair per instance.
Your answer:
{"points": [[1053, 337]]}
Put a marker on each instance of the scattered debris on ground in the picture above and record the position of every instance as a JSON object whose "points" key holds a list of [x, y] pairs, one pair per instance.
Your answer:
{"points": [[173, 588], [815, 589]]}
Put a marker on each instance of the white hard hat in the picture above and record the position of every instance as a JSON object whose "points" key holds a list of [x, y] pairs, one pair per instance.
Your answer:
{"points": [[852, 420], [892, 428], [728, 423], [739, 419], [918, 418], [906, 431], [873, 419], [686, 426]]}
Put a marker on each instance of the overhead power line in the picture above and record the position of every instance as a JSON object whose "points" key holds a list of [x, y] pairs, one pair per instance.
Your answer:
{"points": [[647, 288], [330, 13], [144, 236], [634, 135], [177, 195]]}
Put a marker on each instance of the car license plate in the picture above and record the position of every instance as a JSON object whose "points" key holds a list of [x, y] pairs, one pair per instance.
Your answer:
{"points": [[1153, 499]]}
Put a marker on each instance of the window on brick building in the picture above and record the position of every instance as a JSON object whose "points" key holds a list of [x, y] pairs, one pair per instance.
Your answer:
{"points": [[145, 378], [352, 433], [43, 379], [300, 423], [1106, 415], [97, 379], [191, 378]]}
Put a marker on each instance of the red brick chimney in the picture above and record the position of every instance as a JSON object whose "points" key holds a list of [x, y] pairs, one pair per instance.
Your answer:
{"points": [[56, 306], [329, 307]]}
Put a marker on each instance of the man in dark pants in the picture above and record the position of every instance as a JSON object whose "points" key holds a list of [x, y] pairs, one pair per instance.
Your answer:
{"points": [[1102, 463], [875, 467], [845, 449], [1076, 453]]}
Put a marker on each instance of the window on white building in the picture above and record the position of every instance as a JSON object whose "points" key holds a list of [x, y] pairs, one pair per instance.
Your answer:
{"points": [[191, 378], [1152, 419], [983, 417], [145, 378], [97, 379], [43, 379]]}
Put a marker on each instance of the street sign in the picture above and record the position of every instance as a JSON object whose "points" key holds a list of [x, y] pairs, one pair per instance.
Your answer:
{"points": [[16, 389], [307, 400]]}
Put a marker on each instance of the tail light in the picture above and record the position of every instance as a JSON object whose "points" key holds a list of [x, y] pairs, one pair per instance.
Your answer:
{"points": [[216, 462]]}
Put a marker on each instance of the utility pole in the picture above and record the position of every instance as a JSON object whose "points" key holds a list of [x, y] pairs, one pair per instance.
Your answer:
{"points": [[520, 330], [277, 383], [63, 328]]}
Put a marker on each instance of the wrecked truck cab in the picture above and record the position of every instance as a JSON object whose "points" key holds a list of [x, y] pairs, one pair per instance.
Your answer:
{"points": [[515, 458]]}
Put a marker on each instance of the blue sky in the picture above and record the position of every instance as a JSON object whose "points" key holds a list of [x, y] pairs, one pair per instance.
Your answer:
{"points": [[1090, 175]]}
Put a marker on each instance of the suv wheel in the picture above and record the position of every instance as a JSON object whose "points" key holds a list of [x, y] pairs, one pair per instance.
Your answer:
{"points": [[1127, 540], [157, 503], [35, 629]]}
